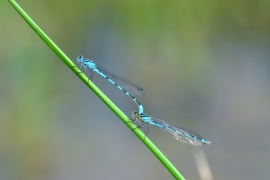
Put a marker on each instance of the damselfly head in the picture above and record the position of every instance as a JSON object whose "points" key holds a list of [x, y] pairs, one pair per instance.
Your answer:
{"points": [[80, 59], [134, 114]]}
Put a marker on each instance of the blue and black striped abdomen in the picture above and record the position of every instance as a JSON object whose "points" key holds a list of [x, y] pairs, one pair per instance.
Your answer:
{"points": [[129, 88]]}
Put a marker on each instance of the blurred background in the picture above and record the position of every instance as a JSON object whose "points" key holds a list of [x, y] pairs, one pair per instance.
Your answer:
{"points": [[204, 65]]}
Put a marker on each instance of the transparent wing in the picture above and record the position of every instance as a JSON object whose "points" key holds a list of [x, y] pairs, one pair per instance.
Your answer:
{"points": [[133, 89], [181, 134]]}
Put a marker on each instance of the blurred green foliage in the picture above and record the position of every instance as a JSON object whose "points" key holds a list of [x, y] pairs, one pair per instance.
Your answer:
{"points": [[203, 64]]}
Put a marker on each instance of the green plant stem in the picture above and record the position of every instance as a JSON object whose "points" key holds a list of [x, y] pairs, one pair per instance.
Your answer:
{"points": [[99, 93]]}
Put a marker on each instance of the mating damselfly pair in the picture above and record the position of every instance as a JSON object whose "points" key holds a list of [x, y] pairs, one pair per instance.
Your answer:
{"points": [[134, 91]]}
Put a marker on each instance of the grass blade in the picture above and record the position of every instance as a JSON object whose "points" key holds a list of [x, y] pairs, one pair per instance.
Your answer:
{"points": [[98, 92]]}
